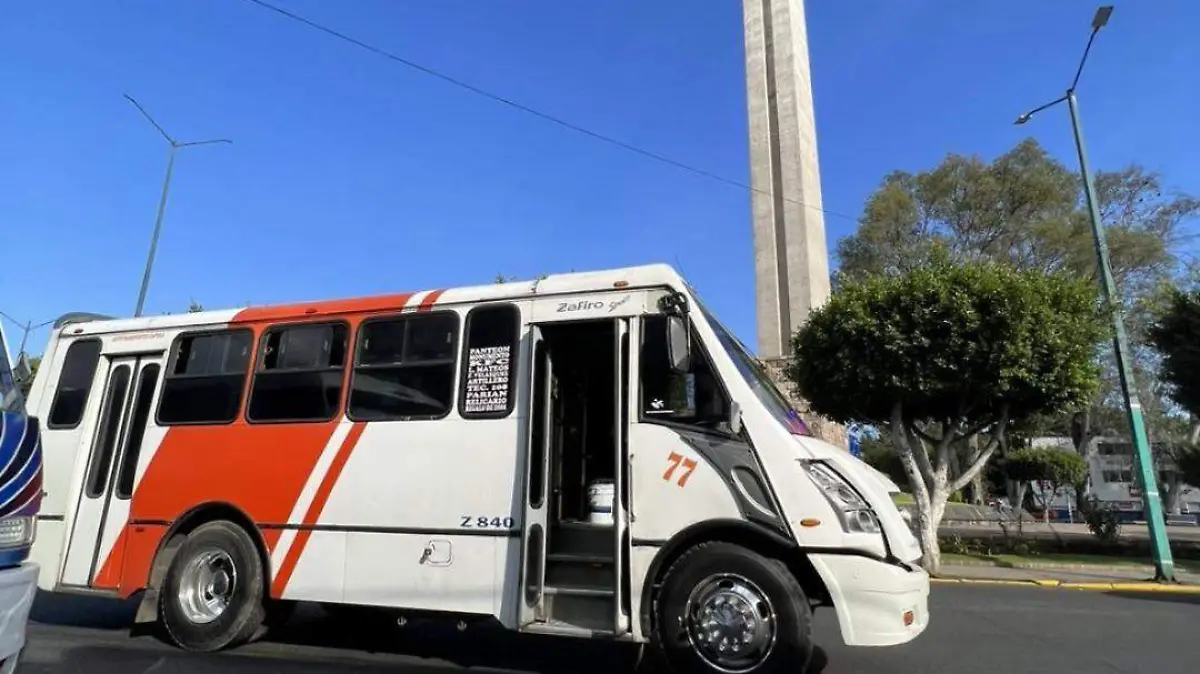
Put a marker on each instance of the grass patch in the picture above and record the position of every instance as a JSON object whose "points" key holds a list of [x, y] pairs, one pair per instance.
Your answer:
{"points": [[903, 499]]}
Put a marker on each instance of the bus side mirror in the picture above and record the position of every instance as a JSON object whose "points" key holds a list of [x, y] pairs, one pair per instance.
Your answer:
{"points": [[679, 344]]}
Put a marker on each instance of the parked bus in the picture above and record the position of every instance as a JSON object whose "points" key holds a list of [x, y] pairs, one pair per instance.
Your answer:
{"points": [[20, 496], [586, 455]]}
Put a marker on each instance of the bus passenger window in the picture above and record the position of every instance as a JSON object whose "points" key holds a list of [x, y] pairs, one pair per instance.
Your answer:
{"points": [[204, 380], [74, 384], [694, 398], [405, 368], [493, 335], [299, 375]]}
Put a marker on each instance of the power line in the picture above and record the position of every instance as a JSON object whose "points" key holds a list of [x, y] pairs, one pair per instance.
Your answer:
{"points": [[532, 111]]}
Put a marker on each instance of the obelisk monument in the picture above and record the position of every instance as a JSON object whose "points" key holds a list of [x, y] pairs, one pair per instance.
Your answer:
{"points": [[790, 258]]}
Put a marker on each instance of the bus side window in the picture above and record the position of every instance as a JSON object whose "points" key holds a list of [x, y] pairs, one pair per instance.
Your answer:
{"points": [[299, 374], [74, 384], [695, 397], [204, 380], [404, 368], [489, 368]]}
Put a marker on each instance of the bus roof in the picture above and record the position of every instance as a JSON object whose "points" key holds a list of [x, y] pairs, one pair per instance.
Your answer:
{"points": [[652, 275]]}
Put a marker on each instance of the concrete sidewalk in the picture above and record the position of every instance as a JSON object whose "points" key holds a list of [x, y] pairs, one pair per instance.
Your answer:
{"points": [[1079, 577]]}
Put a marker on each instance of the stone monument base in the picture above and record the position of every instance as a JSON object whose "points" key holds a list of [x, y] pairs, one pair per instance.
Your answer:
{"points": [[829, 431]]}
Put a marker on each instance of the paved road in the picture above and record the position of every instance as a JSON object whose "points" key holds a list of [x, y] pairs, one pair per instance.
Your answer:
{"points": [[984, 630]]}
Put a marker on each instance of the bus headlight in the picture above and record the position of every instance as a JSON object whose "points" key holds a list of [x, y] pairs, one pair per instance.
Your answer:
{"points": [[855, 513], [17, 532]]}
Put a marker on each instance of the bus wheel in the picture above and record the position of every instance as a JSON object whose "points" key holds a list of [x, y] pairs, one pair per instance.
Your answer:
{"points": [[724, 608], [212, 597]]}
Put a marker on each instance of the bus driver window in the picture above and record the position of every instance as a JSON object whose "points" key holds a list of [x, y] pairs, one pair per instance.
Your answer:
{"points": [[694, 398]]}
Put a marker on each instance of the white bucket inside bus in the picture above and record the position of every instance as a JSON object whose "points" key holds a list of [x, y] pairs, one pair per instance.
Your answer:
{"points": [[601, 494]]}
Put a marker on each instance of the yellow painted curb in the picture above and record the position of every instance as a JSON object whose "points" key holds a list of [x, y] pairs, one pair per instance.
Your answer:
{"points": [[980, 581], [1134, 587], [1064, 585]]}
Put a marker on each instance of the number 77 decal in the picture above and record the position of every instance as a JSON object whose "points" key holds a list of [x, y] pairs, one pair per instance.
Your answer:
{"points": [[676, 459]]}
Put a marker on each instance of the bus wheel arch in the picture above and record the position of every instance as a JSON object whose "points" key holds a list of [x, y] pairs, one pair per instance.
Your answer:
{"points": [[174, 538], [738, 532]]}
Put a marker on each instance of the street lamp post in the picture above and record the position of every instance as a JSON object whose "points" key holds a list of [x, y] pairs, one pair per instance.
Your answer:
{"points": [[162, 201], [26, 328], [1164, 565]]}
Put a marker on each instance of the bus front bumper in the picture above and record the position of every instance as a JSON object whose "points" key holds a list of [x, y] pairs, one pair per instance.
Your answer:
{"points": [[18, 586], [877, 604]]}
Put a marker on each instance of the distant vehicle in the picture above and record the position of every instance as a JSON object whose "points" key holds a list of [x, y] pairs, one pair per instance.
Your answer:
{"points": [[588, 455], [20, 497]]}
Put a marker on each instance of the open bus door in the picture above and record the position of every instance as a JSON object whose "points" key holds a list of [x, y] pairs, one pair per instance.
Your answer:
{"points": [[537, 475]]}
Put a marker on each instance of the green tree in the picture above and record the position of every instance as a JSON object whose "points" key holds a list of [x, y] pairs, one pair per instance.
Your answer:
{"points": [[1189, 464], [1175, 335], [195, 307], [1053, 467], [1026, 209], [941, 353], [878, 453]]}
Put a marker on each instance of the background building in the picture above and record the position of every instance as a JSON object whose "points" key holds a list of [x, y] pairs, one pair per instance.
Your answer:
{"points": [[1113, 480]]}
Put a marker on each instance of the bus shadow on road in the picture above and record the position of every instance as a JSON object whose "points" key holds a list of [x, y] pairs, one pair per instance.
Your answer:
{"points": [[310, 635], [481, 644], [311, 639], [484, 645], [72, 610], [105, 659]]}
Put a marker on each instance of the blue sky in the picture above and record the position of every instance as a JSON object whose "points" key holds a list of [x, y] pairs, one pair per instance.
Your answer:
{"points": [[351, 175]]}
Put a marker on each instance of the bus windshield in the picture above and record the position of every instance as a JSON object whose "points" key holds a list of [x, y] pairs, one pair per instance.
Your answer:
{"points": [[10, 393], [755, 375]]}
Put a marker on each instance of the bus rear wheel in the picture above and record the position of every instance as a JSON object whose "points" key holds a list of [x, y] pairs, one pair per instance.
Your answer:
{"points": [[213, 595], [724, 608]]}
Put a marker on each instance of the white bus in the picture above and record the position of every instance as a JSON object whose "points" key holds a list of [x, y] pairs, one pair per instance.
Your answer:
{"points": [[587, 455]]}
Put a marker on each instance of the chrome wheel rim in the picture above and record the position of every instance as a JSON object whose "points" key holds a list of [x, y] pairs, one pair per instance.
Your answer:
{"points": [[206, 586], [731, 623]]}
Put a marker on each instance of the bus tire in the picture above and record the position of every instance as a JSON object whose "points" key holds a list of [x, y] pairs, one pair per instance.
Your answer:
{"points": [[767, 617], [213, 595]]}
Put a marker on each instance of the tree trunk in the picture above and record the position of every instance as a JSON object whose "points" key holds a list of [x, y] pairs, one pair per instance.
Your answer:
{"points": [[1081, 435], [926, 525], [931, 550], [1019, 501], [956, 464], [978, 491], [930, 481], [1172, 502], [978, 495]]}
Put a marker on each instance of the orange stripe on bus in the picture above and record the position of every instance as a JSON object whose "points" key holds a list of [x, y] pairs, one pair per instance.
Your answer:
{"points": [[430, 300], [260, 469], [314, 510], [301, 310]]}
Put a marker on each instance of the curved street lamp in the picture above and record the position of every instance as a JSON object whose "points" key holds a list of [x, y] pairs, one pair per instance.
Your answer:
{"points": [[1164, 565], [162, 202]]}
